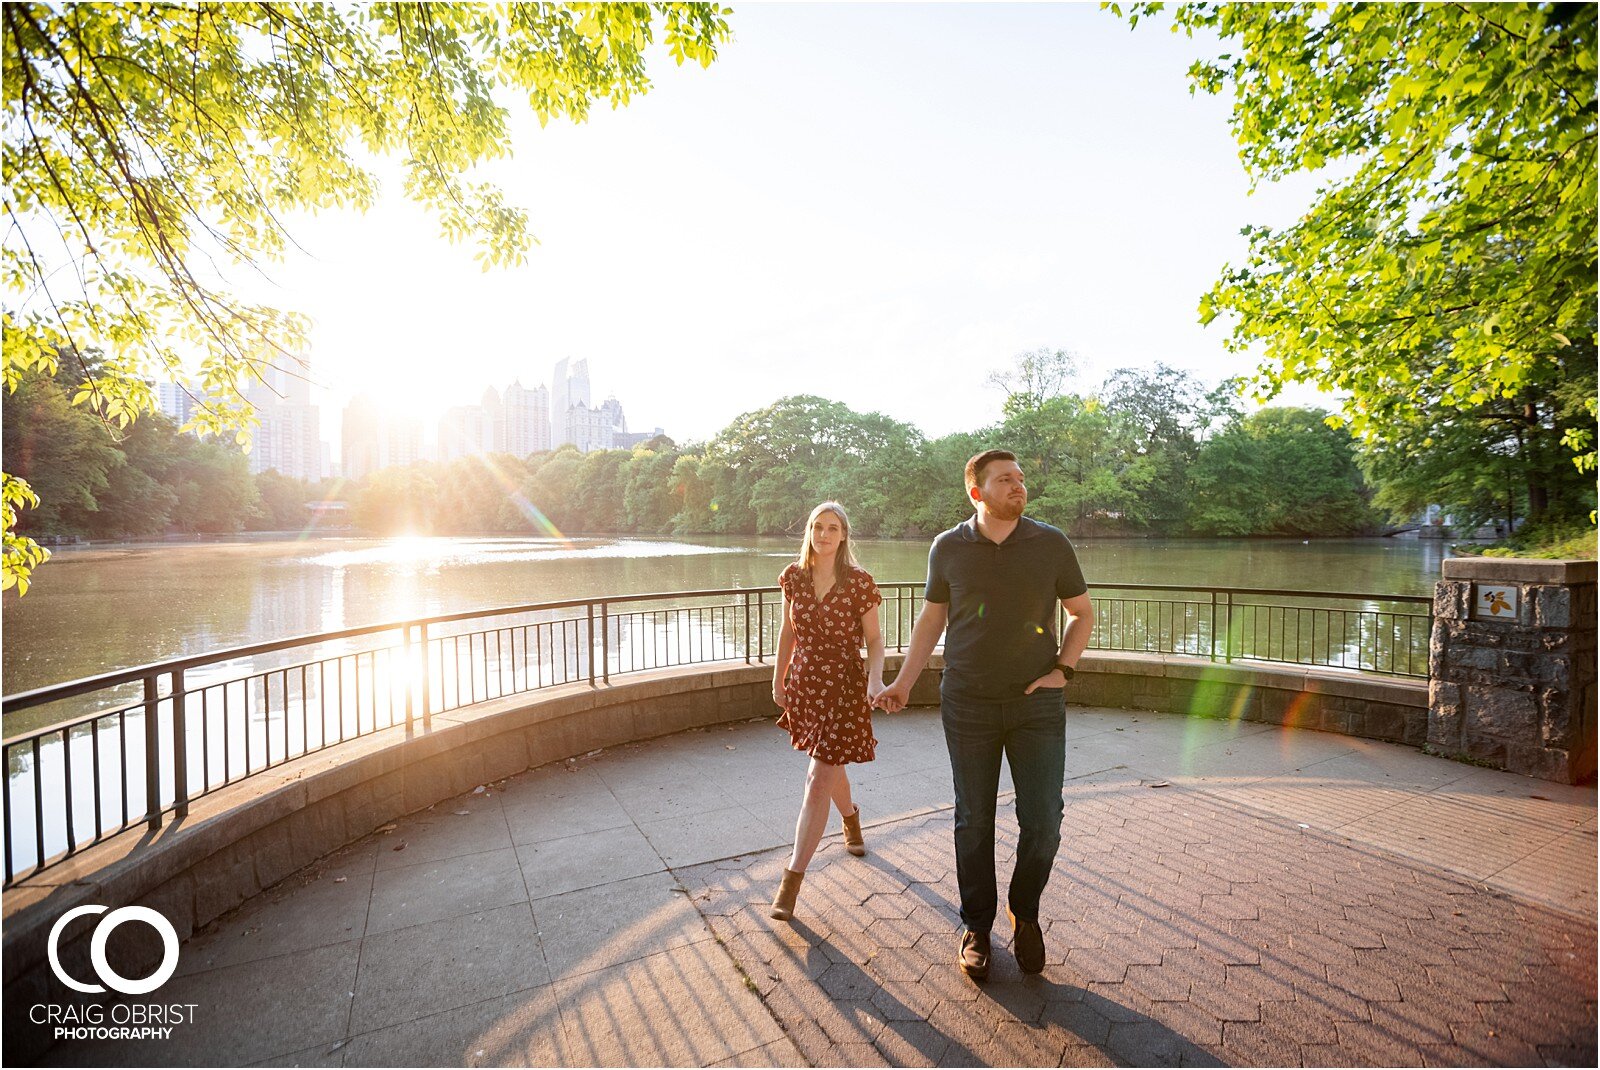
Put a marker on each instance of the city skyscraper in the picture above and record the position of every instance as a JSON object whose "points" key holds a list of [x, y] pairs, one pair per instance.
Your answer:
{"points": [[374, 439], [174, 401], [569, 387], [494, 415], [518, 420], [288, 438], [466, 430], [527, 420], [599, 428]]}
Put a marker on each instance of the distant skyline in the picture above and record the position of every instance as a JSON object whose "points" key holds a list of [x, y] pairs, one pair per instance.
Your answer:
{"points": [[880, 204]]}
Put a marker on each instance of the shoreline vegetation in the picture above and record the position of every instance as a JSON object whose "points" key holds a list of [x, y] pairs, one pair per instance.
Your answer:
{"points": [[1147, 453], [1458, 545], [1573, 541]]}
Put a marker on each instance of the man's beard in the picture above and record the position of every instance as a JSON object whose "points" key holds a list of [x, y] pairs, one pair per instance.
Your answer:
{"points": [[1009, 509]]}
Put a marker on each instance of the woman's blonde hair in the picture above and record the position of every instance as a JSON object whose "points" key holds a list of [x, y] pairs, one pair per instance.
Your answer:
{"points": [[845, 557]]}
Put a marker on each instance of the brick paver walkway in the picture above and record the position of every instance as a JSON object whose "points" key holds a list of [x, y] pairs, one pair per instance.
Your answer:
{"points": [[1183, 931], [1225, 894]]}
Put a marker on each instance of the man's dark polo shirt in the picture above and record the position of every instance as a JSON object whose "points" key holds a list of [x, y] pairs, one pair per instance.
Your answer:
{"points": [[1001, 634]]}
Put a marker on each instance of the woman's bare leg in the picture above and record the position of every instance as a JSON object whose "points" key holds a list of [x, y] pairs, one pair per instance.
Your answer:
{"points": [[841, 794], [813, 819]]}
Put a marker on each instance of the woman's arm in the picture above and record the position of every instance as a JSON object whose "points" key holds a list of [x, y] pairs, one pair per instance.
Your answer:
{"points": [[785, 653], [874, 637]]}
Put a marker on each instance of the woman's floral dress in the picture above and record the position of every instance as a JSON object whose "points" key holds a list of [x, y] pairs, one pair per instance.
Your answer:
{"points": [[828, 716]]}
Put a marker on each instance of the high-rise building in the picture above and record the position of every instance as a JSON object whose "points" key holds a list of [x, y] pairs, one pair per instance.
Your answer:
{"points": [[517, 422], [494, 414], [558, 404], [569, 387], [288, 438], [465, 431], [527, 420], [599, 428], [590, 428], [374, 439], [174, 401]]}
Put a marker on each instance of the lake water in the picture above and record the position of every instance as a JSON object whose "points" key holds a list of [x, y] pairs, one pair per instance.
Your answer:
{"points": [[102, 609]]}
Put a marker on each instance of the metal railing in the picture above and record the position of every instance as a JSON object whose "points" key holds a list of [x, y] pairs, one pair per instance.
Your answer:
{"points": [[1386, 634], [237, 713]]}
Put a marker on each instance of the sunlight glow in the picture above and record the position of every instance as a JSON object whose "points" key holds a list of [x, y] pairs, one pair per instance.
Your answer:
{"points": [[532, 513]]}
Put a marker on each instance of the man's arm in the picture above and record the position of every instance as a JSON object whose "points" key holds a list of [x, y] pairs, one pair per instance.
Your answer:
{"points": [[1080, 622], [930, 625], [1074, 640]]}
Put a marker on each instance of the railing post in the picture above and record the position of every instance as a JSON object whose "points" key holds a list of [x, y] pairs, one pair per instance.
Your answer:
{"points": [[1213, 654], [905, 610], [1227, 633], [605, 645], [427, 684], [761, 626], [152, 753], [589, 646], [411, 679], [180, 744], [746, 627]]}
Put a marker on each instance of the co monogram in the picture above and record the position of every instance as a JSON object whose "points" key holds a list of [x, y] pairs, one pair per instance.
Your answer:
{"points": [[97, 950]]}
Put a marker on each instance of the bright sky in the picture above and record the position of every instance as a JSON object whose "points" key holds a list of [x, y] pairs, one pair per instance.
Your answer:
{"points": [[880, 204]]}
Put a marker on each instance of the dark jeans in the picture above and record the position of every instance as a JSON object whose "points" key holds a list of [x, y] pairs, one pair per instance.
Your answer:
{"points": [[1031, 730]]}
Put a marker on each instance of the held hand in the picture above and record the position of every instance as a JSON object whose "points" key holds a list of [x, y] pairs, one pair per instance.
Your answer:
{"points": [[874, 689], [1053, 678], [892, 699]]}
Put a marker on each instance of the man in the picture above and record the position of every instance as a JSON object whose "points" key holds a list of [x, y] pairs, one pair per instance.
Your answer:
{"points": [[993, 584]]}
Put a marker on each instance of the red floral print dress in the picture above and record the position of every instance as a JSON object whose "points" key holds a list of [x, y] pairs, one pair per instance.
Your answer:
{"points": [[828, 716]]}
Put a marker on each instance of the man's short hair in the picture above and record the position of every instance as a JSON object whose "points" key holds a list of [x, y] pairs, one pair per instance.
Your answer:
{"points": [[976, 466]]}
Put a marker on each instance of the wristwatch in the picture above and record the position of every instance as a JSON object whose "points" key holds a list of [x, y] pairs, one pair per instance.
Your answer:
{"points": [[1067, 671]]}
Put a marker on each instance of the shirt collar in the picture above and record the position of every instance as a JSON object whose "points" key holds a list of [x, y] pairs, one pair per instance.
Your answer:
{"points": [[1026, 529]]}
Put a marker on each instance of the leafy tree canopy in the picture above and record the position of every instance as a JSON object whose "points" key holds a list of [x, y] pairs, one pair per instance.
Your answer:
{"points": [[1455, 262], [1279, 471], [150, 148]]}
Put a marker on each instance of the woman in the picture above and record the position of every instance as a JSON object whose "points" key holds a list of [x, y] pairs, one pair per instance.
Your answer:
{"points": [[830, 606]]}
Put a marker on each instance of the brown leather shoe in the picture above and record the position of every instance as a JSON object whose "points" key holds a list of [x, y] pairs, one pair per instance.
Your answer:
{"points": [[788, 891], [974, 956], [853, 842], [1027, 943]]}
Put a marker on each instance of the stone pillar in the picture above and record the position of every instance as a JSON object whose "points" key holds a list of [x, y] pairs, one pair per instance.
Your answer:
{"points": [[1511, 666]]}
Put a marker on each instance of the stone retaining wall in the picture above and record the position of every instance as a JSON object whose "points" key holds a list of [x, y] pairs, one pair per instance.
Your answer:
{"points": [[1512, 665], [247, 837], [1329, 700]]}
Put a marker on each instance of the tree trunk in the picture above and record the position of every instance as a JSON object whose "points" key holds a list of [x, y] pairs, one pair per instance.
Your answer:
{"points": [[1538, 489]]}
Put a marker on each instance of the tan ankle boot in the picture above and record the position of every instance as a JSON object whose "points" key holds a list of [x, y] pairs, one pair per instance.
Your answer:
{"points": [[853, 841], [783, 902]]}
